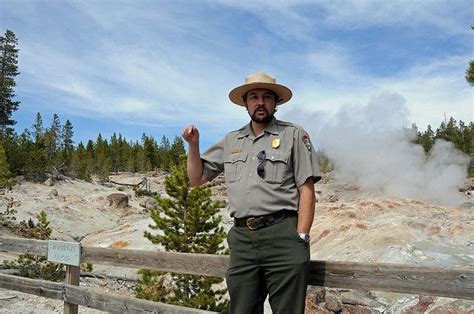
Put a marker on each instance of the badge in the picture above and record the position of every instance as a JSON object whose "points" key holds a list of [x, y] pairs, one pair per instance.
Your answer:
{"points": [[306, 141], [276, 143], [235, 151]]}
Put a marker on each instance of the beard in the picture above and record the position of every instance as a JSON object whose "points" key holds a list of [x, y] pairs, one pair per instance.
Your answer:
{"points": [[267, 118]]}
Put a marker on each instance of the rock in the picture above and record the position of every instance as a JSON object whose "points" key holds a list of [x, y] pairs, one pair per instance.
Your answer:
{"points": [[118, 200], [20, 179], [148, 202], [467, 186], [49, 182], [467, 205], [53, 192], [316, 309], [359, 297], [424, 302], [357, 309], [456, 306], [319, 295], [332, 303]]}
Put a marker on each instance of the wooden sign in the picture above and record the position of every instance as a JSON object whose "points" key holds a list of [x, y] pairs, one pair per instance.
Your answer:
{"points": [[63, 252]]}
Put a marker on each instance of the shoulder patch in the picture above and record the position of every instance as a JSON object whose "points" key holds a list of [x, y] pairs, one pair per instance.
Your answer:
{"points": [[306, 141]]}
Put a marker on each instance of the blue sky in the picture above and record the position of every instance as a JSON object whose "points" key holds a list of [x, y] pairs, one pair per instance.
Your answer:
{"points": [[155, 66]]}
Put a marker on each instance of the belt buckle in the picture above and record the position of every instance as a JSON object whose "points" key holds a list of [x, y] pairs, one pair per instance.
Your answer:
{"points": [[252, 223]]}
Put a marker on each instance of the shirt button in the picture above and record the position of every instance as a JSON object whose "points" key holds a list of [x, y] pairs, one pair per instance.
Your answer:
{"points": [[250, 174], [253, 158]]}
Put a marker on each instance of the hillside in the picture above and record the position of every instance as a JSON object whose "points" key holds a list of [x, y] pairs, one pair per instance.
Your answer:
{"points": [[348, 226]]}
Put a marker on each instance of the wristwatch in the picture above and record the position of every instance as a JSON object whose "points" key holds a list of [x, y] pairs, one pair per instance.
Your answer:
{"points": [[305, 237]]}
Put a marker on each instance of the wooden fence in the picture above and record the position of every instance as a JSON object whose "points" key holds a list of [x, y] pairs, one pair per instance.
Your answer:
{"points": [[429, 280]]}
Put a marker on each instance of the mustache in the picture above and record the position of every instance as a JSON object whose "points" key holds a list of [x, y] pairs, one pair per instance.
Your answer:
{"points": [[260, 107]]}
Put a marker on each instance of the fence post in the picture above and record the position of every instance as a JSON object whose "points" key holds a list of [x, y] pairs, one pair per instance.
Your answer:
{"points": [[72, 278]]}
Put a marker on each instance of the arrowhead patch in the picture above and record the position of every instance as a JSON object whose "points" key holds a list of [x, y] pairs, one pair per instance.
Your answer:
{"points": [[306, 141]]}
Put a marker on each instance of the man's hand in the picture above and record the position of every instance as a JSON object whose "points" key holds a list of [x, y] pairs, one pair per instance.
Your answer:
{"points": [[191, 134], [194, 164]]}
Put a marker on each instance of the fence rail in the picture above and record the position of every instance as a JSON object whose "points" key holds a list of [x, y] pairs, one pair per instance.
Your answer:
{"points": [[92, 299], [412, 279]]}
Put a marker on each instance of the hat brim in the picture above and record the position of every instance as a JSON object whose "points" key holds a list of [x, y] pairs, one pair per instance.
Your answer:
{"points": [[236, 95]]}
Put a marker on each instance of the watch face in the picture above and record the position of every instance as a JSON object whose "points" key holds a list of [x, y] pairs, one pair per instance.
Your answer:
{"points": [[306, 238]]}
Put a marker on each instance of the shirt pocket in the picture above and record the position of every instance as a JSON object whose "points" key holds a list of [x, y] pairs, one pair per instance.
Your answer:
{"points": [[234, 167], [276, 167]]}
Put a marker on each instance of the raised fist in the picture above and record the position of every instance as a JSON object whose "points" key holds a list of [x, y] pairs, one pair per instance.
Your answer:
{"points": [[191, 134]]}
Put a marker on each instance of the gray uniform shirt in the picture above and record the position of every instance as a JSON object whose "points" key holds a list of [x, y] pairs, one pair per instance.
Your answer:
{"points": [[290, 160]]}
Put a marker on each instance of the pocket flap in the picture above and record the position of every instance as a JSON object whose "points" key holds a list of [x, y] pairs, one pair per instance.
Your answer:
{"points": [[278, 156], [232, 158]]}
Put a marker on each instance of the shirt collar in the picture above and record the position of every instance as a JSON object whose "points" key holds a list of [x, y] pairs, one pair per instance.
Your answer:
{"points": [[270, 128]]}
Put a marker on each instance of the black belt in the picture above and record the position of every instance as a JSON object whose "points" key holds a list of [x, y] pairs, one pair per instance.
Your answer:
{"points": [[257, 222]]}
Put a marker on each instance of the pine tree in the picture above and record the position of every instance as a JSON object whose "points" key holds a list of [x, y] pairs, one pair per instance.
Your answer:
{"points": [[177, 150], [17, 148], [36, 266], [38, 130], [8, 72], [90, 149], [5, 175], [67, 143], [123, 151], [470, 73], [150, 151], [426, 139], [190, 223], [52, 139], [80, 163], [163, 153], [56, 131], [102, 161], [104, 166], [36, 163], [114, 153]]}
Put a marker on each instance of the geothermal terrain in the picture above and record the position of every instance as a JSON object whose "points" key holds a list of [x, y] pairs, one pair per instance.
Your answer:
{"points": [[350, 225]]}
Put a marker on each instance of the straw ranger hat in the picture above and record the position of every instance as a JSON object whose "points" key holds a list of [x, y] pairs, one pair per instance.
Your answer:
{"points": [[260, 80]]}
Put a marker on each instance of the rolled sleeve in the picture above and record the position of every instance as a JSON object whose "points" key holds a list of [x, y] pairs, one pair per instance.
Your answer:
{"points": [[213, 160], [305, 160]]}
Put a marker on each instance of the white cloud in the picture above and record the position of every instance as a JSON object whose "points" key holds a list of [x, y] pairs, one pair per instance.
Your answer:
{"points": [[447, 16], [170, 65], [333, 62], [297, 19], [431, 90], [167, 87], [282, 18]]}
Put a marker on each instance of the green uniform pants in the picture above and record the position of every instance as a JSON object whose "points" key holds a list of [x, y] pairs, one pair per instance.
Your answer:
{"points": [[273, 260]]}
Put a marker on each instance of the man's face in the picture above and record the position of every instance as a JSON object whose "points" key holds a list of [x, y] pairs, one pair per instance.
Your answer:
{"points": [[260, 104]]}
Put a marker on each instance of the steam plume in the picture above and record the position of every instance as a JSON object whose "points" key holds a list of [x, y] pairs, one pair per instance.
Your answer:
{"points": [[369, 148]]}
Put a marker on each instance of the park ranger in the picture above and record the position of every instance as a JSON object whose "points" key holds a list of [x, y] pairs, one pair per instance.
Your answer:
{"points": [[270, 168]]}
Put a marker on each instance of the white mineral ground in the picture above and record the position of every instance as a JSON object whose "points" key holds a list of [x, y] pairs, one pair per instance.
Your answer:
{"points": [[349, 225]]}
